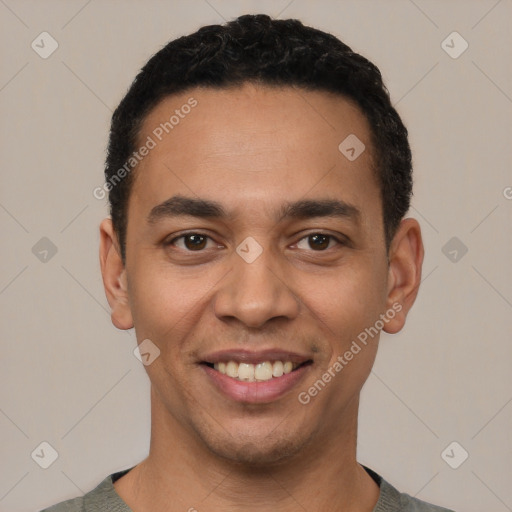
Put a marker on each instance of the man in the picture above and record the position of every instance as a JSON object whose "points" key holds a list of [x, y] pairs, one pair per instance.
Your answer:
{"points": [[258, 177]]}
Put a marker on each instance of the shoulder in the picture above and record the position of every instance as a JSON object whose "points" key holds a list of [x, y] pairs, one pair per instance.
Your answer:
{"points": [[73, 505], [392, 500], [410, 504], [102, 498]]}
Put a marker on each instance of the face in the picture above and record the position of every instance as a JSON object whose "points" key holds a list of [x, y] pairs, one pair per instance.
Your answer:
{"points": [[255, 258]]}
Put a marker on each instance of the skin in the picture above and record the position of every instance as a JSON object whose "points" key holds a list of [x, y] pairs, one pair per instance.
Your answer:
{"points": [[252, 149]]}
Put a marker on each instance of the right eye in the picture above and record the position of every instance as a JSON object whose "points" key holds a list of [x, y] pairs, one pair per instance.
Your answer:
{"points": [[192, 242]]}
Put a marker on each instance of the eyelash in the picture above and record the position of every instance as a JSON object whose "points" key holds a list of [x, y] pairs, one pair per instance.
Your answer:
{"points": [[329, 236]]}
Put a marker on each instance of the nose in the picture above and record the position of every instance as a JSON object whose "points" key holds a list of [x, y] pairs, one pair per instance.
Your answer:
{"points": [[256, 292]]}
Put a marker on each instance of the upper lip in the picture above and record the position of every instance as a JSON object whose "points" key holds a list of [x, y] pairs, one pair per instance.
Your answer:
{"points": [[247, 356]]}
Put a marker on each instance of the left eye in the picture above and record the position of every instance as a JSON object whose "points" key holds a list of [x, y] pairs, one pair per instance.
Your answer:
{"points": [[317, 241]]}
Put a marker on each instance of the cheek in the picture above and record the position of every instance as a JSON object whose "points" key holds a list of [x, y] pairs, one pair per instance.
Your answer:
{"points": [[166, 308], [169, 305], [348, 302], [348, 307], [162, 303]]}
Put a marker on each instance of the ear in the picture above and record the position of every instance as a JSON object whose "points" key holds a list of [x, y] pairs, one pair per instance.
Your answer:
{"points": [[404, 272], [113, 272]]}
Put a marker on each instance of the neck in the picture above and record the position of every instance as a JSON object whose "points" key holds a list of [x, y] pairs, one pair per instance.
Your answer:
{"points": [[181, 474]]}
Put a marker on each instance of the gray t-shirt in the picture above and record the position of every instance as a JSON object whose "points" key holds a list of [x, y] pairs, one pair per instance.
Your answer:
{"points": [[104, 498]]}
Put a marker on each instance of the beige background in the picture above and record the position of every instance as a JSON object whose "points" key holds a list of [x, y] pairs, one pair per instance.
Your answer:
{"points": [[70, 378]]}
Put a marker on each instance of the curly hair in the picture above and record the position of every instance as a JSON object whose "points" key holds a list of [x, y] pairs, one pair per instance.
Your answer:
{"points": [[262, 50]]}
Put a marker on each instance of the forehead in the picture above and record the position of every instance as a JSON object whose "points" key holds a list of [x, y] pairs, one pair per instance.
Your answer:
{"points": [[252, 145]]}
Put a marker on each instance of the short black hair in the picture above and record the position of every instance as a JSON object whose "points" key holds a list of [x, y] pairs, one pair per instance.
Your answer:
{"points": [[259, 49]]}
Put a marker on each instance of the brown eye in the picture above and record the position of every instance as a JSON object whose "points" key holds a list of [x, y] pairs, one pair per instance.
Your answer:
{"points": [[319, 241], [190, 241], [194, 242]]}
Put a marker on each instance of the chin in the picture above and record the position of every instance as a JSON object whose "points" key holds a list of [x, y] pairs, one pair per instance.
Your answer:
{"points": [[258, 451]]}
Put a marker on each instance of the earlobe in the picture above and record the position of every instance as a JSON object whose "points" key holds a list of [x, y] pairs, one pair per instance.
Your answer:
{"points": [[113, 273], [404, 273]]}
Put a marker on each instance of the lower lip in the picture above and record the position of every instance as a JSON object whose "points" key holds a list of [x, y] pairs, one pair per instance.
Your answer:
{"points": [[256, 392]]}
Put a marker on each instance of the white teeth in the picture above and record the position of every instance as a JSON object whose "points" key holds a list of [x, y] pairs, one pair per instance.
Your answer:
{"points": [[246, 372], [277, 369], [260, 372], [263, 371], [232, 369], [287, 367]]}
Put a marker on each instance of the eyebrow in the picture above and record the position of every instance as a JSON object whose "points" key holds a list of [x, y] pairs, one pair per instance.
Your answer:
{"points": [[203, 208]]}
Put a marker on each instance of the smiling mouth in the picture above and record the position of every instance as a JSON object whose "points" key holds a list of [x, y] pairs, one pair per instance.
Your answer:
{"points": [[259, 372]]}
